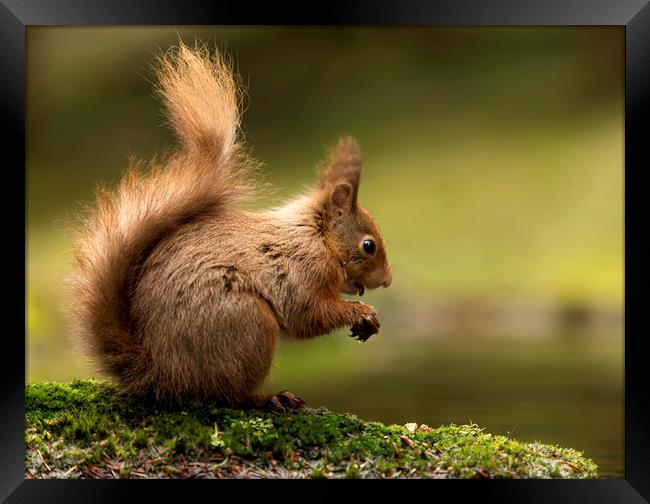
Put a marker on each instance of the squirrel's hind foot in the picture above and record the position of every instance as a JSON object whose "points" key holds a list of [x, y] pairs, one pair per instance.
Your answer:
{"points": [[282, 402]]}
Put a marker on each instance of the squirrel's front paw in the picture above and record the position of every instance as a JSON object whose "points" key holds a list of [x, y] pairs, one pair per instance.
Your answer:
{"points": [[366, 326]]}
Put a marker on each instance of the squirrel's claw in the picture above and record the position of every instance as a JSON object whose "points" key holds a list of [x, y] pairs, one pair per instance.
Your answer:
{"points": [[366, 327], [282, 402]]}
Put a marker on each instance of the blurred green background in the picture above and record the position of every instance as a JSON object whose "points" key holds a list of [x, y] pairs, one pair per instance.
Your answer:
{"points": [[493, 163]]}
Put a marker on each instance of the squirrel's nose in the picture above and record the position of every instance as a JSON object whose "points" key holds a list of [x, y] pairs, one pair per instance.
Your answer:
{"points": [[388, 280]]}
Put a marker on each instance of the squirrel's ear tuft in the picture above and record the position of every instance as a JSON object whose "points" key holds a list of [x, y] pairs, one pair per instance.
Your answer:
{"points": [[343, 166]]}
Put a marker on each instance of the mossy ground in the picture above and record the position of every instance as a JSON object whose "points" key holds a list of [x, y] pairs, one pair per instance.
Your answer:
{"points": [[85, 430]]}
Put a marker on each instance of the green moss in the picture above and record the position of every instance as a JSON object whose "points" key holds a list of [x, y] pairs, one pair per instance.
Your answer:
{"points": [[86, 429]]}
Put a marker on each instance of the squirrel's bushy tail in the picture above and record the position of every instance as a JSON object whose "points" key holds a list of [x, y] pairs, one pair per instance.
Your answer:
{"points": [[208, 172]]}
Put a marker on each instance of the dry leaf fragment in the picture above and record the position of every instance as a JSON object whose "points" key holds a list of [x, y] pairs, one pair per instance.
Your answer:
{"points": [[411, 427], [483, 473]]}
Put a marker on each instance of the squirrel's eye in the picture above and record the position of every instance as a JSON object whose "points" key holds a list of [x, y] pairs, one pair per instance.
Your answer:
{"points": [[369, 246]]}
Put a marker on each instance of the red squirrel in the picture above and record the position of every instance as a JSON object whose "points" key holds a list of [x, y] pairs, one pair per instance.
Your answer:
{"points": [[179, 291]]}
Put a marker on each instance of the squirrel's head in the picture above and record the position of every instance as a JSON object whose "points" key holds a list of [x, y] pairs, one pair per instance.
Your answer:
{"points": [[353, 230]]}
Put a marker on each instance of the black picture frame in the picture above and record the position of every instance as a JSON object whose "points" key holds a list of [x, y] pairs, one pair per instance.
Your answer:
{"points": [[633, 15]]}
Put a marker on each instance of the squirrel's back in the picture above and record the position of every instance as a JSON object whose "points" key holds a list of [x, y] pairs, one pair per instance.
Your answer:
{"points": [[208, 173]]}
